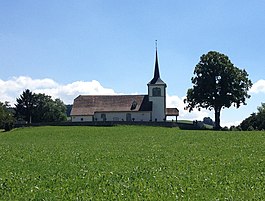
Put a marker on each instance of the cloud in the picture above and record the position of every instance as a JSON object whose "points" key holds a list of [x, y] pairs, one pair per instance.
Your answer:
{"points": [[11, 89], [229, 124], [258, 87], [175, 101], [70, 91]]}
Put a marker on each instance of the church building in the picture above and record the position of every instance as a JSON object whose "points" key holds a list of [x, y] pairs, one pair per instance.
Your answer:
{"points": [[150, 107]]}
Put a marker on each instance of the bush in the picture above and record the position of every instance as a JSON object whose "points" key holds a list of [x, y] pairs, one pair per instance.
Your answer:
{"points": [[256, 121], [235, 128], [225, 128], [8, 126], [8, 122], [251, 128], [6, 117]]}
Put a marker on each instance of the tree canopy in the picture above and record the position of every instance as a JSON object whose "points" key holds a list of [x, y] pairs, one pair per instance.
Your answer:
{"points": [[48, 110], [217, 83], [256, 121], [25, 105], [6, 117], [35, 108]]}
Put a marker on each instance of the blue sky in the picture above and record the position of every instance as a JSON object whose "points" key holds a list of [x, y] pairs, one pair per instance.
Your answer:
{"points": [[65, 48]]}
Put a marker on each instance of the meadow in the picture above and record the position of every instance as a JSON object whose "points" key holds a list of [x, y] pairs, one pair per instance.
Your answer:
{"points": [[131, 163]]}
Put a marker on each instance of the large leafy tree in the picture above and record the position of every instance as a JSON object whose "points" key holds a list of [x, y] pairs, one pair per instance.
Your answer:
{"points": [[49, 110], [60, 110], [217, 84]]}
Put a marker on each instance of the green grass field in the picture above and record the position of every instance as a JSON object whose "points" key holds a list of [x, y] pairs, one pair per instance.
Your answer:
{"points": [[131, 163]]}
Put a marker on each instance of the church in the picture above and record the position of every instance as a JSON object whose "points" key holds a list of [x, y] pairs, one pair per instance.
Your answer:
{"points": [[150, 107]]}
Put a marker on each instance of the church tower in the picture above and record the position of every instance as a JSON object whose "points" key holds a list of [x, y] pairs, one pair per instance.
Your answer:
{"points": [[157, 94]]}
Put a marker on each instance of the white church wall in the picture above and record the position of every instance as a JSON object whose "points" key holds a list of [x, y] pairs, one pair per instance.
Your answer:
{"points": [[141, 116], [122, 116], [82, 118], [158, 101], [158, 113]]}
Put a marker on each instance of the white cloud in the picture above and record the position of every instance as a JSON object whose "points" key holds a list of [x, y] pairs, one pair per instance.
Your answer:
{"points": [[258, 87], [229, 124], [11, 89], [70, 91], [175, 101]]}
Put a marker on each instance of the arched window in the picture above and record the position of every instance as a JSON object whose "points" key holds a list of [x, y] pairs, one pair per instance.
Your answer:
{"points": [[156, 91]]}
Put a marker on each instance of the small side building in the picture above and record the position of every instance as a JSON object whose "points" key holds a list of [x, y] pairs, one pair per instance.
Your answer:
{"points": [[150, 107]]}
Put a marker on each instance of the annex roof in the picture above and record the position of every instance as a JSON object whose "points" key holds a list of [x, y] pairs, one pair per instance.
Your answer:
{"points": [[172, 112], [89, 104]]}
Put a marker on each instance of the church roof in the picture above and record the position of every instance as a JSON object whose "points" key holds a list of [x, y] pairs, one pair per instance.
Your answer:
{"points": [[89, 104], [156, 79]]}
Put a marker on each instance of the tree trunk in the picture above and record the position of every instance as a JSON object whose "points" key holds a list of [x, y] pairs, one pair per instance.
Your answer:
{"points": [[217, 118]]}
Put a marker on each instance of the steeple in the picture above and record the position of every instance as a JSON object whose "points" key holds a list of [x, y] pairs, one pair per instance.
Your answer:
{"points": [[157, 94], [156, 73], [156, 79]]}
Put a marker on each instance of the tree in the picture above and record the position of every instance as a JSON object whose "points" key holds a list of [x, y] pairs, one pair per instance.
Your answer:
{"points": [[261, 117], [217, 84], [261, 109], [255, 120], [208, 121], [36, 108], [41, 108], [25, 105], [49, 110], [60, 110], [251, 121], [6, 117]]}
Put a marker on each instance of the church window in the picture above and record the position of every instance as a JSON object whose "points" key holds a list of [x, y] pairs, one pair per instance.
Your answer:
{"points": [[133, 106], [128, 117], [156, 91], [103, 116]]}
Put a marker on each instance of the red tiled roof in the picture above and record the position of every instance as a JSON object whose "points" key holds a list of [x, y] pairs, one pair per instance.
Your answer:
{"points": [[89, 104]]}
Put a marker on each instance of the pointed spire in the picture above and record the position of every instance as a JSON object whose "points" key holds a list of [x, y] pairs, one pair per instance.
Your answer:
{"points": [[156, 77], [156, 73]]}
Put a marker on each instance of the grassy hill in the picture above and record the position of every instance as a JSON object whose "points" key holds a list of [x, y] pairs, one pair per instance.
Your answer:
{"points": [[131, 163]]}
